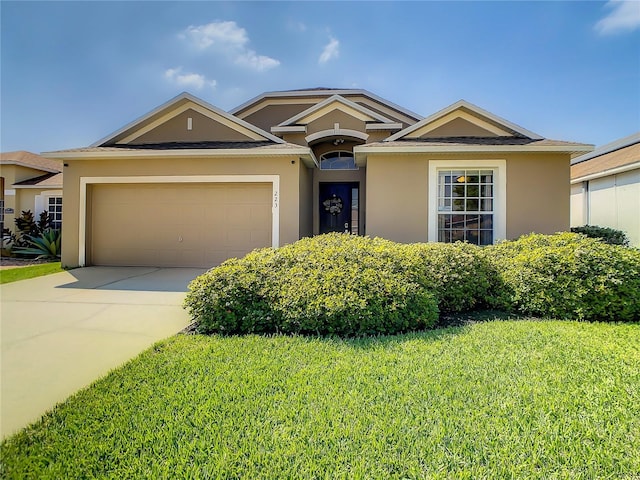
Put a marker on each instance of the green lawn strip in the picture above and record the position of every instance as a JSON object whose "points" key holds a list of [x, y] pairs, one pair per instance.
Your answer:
{"points": [[503, 399], [22, 273]]}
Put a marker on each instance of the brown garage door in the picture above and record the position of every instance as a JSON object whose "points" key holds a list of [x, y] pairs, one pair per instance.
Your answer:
{"points": [[186, 225]]}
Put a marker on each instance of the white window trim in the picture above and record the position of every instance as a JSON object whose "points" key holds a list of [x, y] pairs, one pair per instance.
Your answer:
{"points": [[85, 181], [41, 201], [499, 194]]}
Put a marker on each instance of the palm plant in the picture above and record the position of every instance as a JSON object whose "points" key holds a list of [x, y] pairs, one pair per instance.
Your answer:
{"points": [[45, 245]]}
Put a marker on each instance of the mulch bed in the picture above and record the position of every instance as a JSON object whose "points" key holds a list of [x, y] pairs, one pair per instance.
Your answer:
{"points": [[12, 262]]}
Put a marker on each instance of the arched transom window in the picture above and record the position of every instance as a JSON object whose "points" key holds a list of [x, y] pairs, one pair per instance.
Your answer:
{"points": [[337, 161]]}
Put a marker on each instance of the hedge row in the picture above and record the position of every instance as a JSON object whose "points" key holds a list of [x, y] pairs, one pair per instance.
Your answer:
{"points": [[329, 284], [348, 285]]}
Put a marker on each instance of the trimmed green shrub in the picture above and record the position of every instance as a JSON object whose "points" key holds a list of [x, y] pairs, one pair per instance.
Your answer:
{"points": [[457, 273], [233, 297], [329, 284], [606, 234], [568, 276]]}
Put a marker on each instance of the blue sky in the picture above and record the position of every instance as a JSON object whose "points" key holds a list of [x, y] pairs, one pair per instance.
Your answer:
{"points": [[73, 72]]}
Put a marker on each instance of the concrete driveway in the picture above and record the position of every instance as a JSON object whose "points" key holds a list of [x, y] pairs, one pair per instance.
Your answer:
{"points": [[61, 332]]}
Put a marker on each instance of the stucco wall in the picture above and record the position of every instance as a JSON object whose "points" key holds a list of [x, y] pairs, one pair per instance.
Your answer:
{"points": [[538, 194], [397, 199], [306, 202], [18, 199], [289, 202]]}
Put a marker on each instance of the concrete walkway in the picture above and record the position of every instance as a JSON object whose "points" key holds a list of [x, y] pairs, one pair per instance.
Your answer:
{"points": [[61, 332]]}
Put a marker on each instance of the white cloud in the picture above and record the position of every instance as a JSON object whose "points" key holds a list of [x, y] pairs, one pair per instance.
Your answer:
{"points": [[624, 17], [188, 80], [331, 51], [217, 33], [255, 61], [229, 38]]}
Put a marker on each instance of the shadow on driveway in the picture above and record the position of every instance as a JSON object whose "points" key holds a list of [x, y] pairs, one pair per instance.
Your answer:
{"points": [[146, 279]]}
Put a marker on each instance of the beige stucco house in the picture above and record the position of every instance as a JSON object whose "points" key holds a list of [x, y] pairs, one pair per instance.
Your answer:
{"points": [[29, 182], [605, 187], [190, 185]]}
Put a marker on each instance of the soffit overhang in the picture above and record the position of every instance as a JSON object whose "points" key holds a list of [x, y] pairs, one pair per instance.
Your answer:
{"points": [[361, 152], [305, 154]]}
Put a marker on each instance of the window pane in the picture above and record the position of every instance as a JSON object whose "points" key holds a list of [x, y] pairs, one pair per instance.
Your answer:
{"points": [[458, 190], [471, 221], [486, 237], [458, 205], [486, 205], [472, 176], [456, 221], [486, 221], [486, 191], [471, 236], [457, 235], [472, 205], [486, 178], [473, 191]]}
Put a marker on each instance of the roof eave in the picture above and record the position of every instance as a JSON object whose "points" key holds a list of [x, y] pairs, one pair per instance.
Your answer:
{"points": [[26, 165], [606, 173], [361, 151], [609, 148], [178, 98]]}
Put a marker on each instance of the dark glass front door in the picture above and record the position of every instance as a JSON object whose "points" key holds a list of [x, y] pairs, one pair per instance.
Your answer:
{"points": [[339, 207]]}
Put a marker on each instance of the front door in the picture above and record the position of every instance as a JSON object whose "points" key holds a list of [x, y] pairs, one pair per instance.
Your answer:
{"points": [[339, 204]]}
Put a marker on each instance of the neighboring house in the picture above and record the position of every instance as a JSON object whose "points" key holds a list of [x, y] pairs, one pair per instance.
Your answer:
{"points": [[605, 187], [191, 185], [29, 182]]}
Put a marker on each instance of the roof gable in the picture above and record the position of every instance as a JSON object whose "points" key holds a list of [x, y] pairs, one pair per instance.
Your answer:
{"points": [[335, 102], [170, 123], [259, 109], [462, 119]]}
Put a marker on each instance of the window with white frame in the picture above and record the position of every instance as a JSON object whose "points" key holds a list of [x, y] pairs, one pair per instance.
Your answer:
{"points": [[54, 209], [338, 161], [467, 201], [465, 206]]}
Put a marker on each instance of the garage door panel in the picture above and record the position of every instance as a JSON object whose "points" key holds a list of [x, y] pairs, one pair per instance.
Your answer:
{"points": [[237, 215], [261, 217], [260, 237], [178, 224]]}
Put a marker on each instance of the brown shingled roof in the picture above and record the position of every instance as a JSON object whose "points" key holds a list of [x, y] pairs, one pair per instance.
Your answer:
{"points": [[465, 141], [618, 158], [255, 146], [46, 180], [31, 160]]}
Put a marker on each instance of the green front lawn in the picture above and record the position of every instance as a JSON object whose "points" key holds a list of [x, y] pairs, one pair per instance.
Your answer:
{"points": [[22, 273], [502, 399]]}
